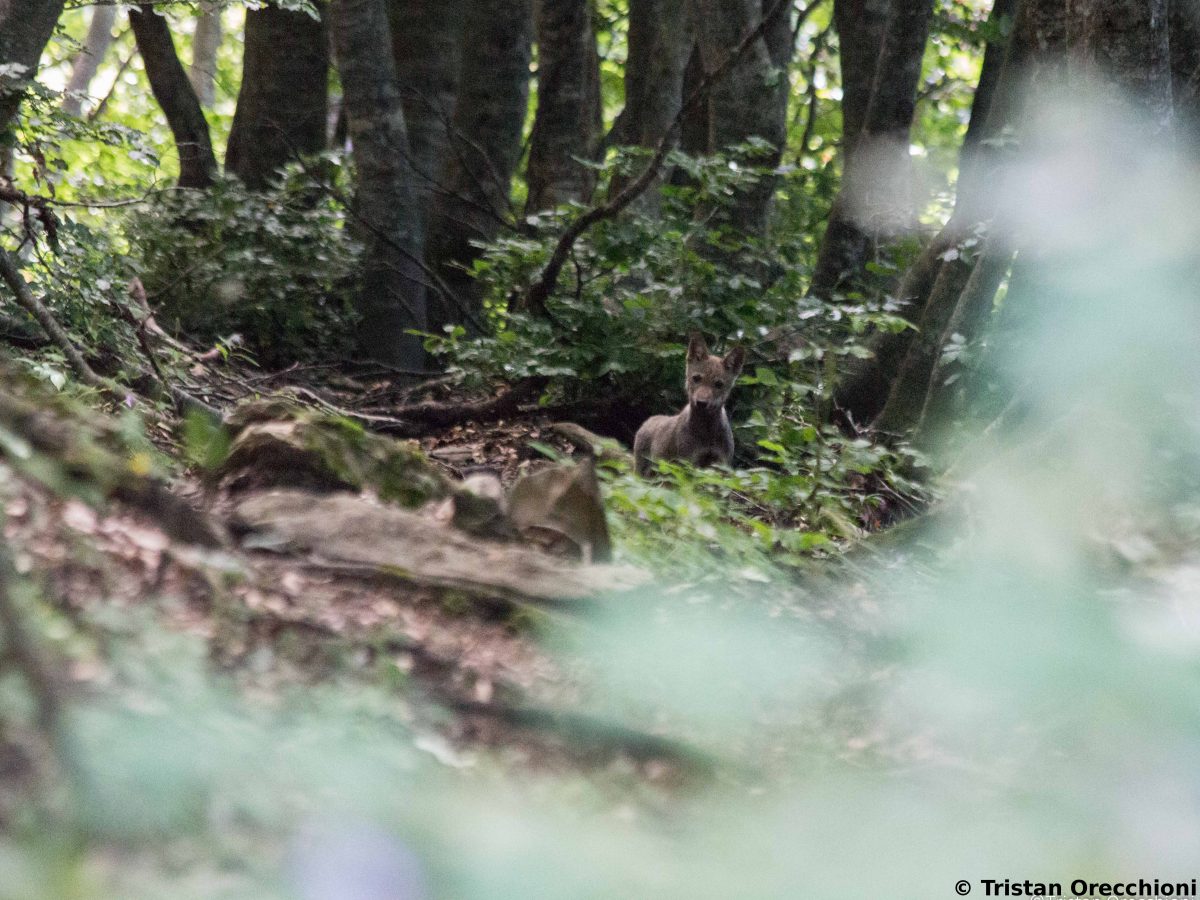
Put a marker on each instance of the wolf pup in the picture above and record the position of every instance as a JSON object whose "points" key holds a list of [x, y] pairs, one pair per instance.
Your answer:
{"points": [[700, 432]]}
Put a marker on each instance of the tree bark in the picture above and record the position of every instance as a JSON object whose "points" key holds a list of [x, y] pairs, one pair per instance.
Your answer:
{"points": [[1035, 54], [660, 42], [693, 130], [283, 105], [1124, 46], [860, 26], [206, 41], [485, 144], [749, 102], [1185, 67], [173, 91], [566, 127], [1120, 45], [392, 297], [425, 45], [876, 201], [865, 388], [87, 62], [947, 392], [25, 28]]}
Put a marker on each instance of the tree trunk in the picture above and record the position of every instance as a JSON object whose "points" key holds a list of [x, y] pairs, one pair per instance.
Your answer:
{"points": [[25, 28], [1036, 49], [283, 104], [473, 201], [392, 297], [173, 91], [1124, 45], [876, 202], [693, 130], [660, 42], [566, 128], [947, 393], [425, 45], [87, 62], [865, 388], [860, 25], [1185, 67], [205, 43], [749, 102]]}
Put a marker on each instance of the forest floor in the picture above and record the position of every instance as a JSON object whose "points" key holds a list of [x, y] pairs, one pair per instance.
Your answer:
{"points": [[471, 665]]}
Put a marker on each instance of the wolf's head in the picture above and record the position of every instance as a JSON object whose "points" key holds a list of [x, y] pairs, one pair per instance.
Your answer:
{"points": [[710, 378]]}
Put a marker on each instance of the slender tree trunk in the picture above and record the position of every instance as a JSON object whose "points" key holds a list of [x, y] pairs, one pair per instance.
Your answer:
{"points": [[860, 26], [392, 297], [661, 40], [25, 28], [87, 62], [425, 45], [750, 101], [1124, 47], [205, 43], [173, 91], [865, 388], [472, 203], [567, 125], [662, 65], [283, 104], [947, 394], [876, 201], [1035, 57]]}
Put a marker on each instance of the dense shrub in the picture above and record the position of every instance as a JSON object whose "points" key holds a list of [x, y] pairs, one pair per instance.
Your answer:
{"points": [[274, 267]]}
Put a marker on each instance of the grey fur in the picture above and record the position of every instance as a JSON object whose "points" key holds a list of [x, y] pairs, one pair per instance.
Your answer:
{"points": [[700, 432]]}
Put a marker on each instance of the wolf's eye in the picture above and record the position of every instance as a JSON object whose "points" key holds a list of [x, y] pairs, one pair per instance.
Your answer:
{"points": [[719, 384], [695, 379]]}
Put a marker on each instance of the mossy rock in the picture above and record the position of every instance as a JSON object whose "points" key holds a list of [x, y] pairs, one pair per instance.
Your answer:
{"points": [[279, 443]]}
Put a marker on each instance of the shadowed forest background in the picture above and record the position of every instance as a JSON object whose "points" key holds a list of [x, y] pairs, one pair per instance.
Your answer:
{"points": [[325, 329]]}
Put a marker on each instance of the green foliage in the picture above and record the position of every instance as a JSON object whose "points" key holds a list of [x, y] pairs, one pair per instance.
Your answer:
{"points": [[811, 491], [82, 279], [637, 285], [275, 267], [617, 329]]}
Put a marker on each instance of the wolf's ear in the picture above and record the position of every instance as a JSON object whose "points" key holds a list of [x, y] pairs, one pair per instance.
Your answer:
{"points": [[734, 358], [697, 349]]}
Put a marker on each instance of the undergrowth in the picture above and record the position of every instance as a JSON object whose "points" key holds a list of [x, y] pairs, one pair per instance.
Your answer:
{"points": [[616, 332]]}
